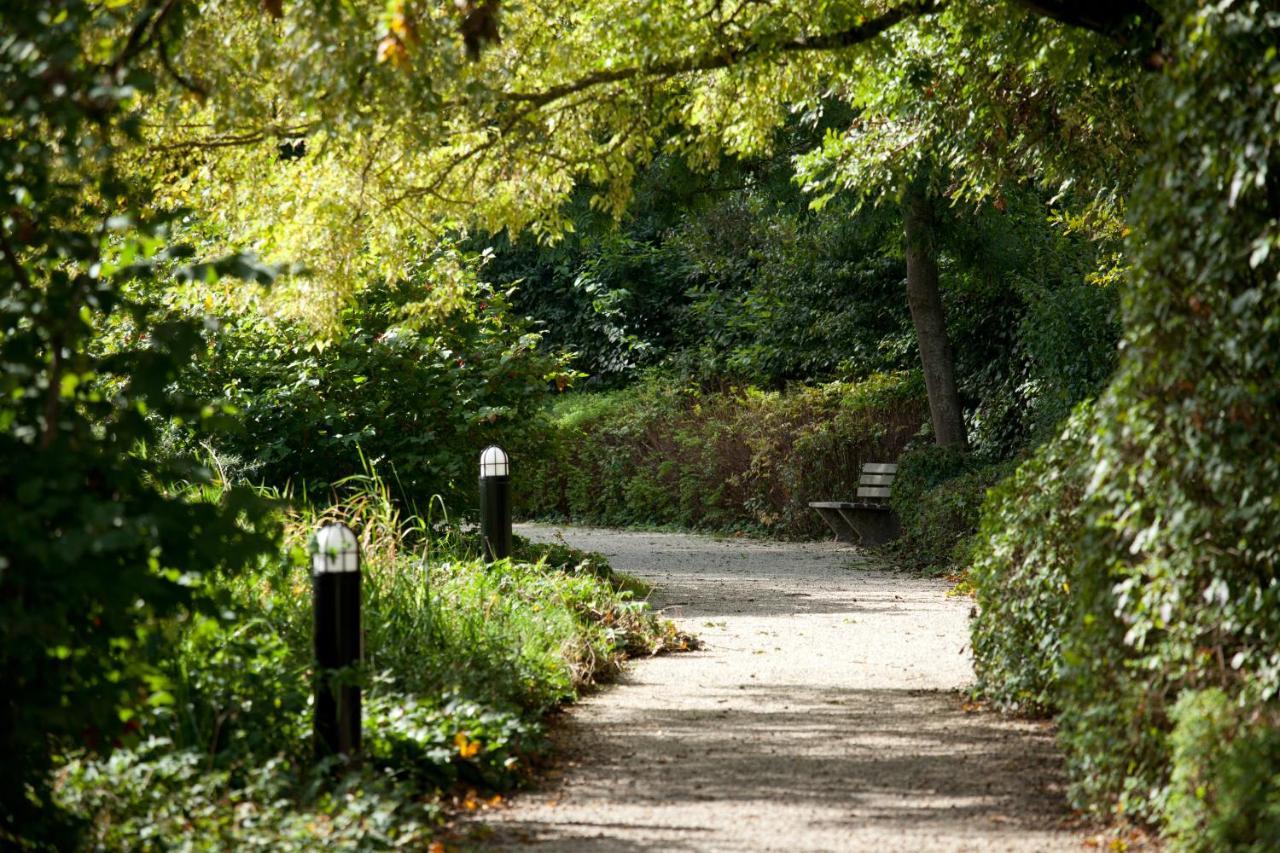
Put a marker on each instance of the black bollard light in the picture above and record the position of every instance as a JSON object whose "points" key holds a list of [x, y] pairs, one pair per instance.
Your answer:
{"points": [[495, 503], [335, 587]]}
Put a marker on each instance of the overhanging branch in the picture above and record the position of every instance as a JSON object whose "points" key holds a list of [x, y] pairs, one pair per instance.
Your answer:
{"points": [[731, 55], [1116, 19]]}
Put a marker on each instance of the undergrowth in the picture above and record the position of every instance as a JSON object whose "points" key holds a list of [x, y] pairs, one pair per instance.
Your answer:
{"points": [[938, 495], [740, 459], [462, 662]]}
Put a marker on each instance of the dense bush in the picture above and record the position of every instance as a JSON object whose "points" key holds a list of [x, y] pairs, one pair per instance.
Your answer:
{"points": [[742, 458], [611, 296], [718, 275], [1131, 565], [780, 295], [1033, 314], [1023, 579], [462, 661], [938, 495], [1224, 791], [417, 395], [97, 550]]}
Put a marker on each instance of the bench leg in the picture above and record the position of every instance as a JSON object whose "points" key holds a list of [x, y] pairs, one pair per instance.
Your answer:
{"points": [[837, 523], [872, 526]]}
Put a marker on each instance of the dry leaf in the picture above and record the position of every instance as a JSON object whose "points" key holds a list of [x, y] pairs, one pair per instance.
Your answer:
{"points": [[466, 748]]}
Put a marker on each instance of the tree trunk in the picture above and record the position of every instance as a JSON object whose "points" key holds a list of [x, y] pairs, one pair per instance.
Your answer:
{"points": [[925, 302]]}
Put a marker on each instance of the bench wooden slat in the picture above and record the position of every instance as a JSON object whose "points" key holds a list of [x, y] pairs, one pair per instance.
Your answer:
{"points": [[876, 480], [880, 468], [873, 492], [839, 505]]}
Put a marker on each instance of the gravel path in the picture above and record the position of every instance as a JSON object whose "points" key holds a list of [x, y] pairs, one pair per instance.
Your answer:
{"points": [[822, 714]]}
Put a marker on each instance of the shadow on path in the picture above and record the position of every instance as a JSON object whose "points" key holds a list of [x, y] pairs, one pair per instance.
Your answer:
{"points": [[885, 761], [823, 714]]}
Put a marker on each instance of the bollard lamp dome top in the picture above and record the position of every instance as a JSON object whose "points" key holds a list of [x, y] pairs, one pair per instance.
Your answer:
{"points": [[336, 550], [494, 462]]}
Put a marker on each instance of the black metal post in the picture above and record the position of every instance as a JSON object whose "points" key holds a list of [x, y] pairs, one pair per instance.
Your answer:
{"points": [[335, 581], [495, 517]]}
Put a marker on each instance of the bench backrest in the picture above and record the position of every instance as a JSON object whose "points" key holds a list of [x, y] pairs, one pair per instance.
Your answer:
{"points": [[876, 479]]}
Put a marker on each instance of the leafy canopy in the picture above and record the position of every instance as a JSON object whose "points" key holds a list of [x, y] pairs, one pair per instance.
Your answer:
{"points": [[350, 136]]}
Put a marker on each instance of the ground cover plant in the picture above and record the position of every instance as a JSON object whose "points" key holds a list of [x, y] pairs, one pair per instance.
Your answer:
{"points": [[462, 662]]}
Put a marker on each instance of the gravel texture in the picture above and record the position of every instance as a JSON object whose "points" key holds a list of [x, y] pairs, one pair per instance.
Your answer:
{"points": [[823, 713]]}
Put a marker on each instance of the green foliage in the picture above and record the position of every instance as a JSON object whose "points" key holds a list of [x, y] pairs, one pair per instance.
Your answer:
{"points": [[156, 796], [416, 395], [1133, 562], [1031, 533], [730, 278], [938, 495], [779, 295], [462, 660], [721, 275], [610, 292], [984, 96], [1032, 316], [1141, 543], [1224, 791], [98, 548], [1068, 336], [1048, 636], [744, 458]]}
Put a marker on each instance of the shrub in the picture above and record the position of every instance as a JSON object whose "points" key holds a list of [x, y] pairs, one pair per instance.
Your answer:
{"points": [[1023, 579], [1130, 566], [938, 495], [418, 396], [1050, 636], [736, 459], [1224, 792], [462, 661]]}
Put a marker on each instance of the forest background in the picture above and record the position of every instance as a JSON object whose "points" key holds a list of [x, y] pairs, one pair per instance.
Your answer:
{"points": [[266, 263]]}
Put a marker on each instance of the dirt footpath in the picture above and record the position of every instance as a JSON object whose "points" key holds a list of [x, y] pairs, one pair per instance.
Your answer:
{"points": [[822, 714]]}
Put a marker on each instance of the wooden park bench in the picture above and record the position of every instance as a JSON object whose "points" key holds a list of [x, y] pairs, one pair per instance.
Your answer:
{"points": [[869, 520]]}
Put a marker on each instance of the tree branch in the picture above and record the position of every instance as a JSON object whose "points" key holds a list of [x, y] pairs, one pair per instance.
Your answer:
{"points": [[1112, 18], [162, 48], [144, 29], [233, 140], [863, 32]]}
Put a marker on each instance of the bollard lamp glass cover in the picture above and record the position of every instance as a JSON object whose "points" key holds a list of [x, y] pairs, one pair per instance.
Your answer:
{"points": [[494, 462], [336, 550]]}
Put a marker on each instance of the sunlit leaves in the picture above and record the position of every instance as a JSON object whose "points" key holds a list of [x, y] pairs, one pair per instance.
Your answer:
{"points": [[411, 131]]}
